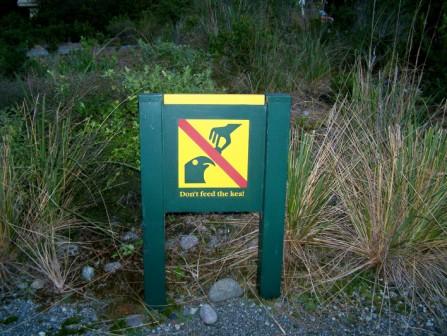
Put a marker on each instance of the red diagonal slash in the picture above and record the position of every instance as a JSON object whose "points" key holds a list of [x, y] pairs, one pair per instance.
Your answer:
{"points": [[212, 153]]}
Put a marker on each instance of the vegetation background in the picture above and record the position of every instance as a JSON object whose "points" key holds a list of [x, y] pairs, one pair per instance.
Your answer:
{"points": [[367, 190]]}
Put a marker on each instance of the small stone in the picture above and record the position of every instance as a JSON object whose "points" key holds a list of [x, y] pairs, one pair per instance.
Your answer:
{"points": [[177, 327], [193, 310], [170, 244], [208, 314], [88, 273], [112, 267], [129, 236], [41, 333], [22, 285], [429, 323], [225, 289], [214, 242], [38, 284], [188, 242], [135, 320], [68, 249]]}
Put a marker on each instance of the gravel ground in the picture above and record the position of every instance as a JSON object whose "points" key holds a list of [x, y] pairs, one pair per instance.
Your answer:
{"points": [[24, 317], [235, 317]]}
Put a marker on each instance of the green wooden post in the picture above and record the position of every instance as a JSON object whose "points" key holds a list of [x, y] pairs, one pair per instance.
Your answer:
{"points": [[150, 107], [272, 218]]}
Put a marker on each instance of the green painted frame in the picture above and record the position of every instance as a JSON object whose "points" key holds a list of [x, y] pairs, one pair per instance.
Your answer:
{"points": [[269, 139]]}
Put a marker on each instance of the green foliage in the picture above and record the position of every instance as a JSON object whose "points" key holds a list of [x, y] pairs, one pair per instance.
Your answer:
{"points": [[15, 37], [123, 122], [173, 56], [87, 59], [260, 52], [119, 120]]}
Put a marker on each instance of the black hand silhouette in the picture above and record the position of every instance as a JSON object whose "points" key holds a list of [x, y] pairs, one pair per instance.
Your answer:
{"points": [[218, 133]]}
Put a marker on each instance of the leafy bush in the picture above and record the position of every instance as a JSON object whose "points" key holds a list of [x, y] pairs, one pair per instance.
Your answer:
{"points": [[174, 56], [95, 88], [121, 122]]}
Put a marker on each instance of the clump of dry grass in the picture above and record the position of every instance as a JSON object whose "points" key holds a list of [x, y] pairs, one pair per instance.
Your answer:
{"points": [[310, 184], [47, 165], [394, 193], [389, 174]]}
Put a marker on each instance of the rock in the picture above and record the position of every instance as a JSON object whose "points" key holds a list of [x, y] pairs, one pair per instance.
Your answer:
{"points": [[208, 314], [112, 267], [170, 244], [129, 236], [214, 242], [22, 285], [135, 320], [38, 284], [188, 242], [177, 327], [225, 289], [68, 249], [88, 273], [41, 333]]}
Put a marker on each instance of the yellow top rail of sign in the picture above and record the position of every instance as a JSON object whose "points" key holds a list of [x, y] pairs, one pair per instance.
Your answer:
{"points": [[214, 99]]}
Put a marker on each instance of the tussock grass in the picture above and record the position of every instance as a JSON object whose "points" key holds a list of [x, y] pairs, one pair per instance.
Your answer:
{"points": [[47, 168], [388, 172], [394, 193], [310, 185]]}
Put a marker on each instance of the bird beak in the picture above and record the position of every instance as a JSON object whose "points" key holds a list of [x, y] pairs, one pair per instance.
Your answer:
{"points": [[206, 161]]}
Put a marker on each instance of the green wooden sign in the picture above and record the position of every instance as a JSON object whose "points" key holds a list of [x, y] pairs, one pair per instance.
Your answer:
{"points": [[213, 153]]}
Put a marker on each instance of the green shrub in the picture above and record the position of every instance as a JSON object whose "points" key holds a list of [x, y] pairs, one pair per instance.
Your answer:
{"points": [[120, 120], [172, 56]]}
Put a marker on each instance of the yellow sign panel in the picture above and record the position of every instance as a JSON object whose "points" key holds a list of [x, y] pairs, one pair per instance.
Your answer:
{"points": [[213, 99], [213, 153]]}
